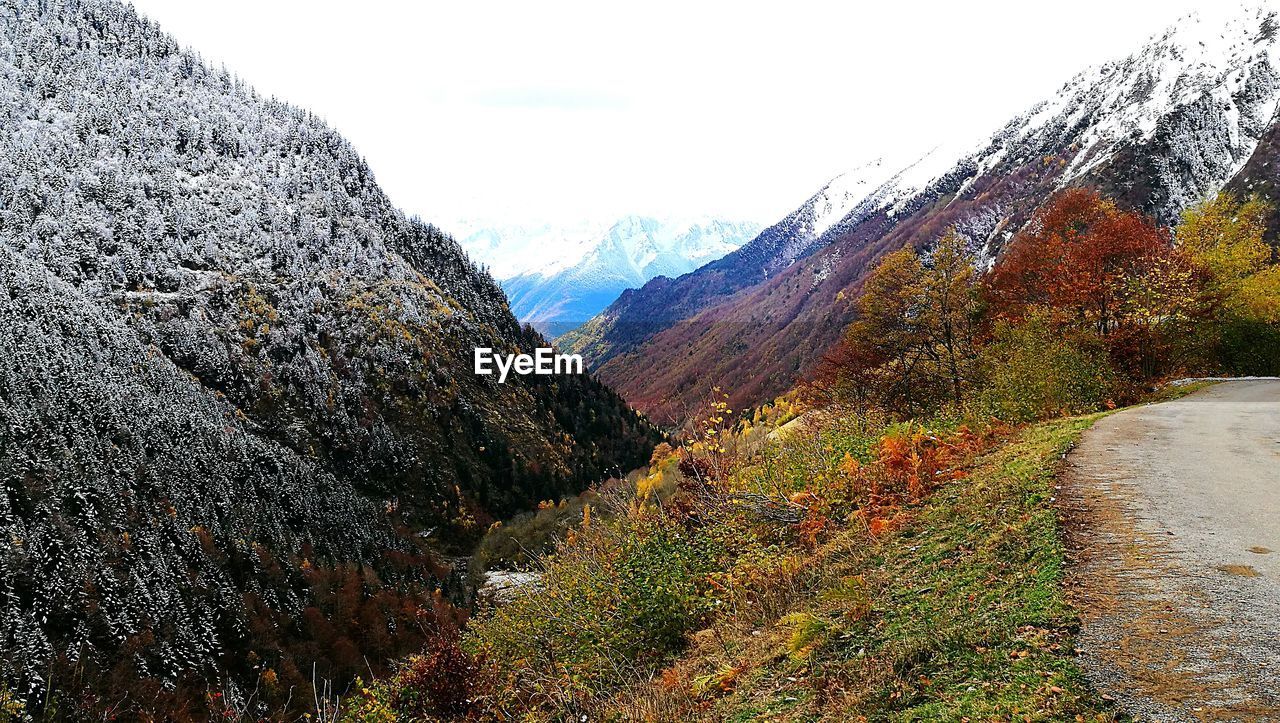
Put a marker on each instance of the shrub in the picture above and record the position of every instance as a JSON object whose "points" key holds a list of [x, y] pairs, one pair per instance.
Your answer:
{"points": [[515, 543], [1248, 347], [441, 682], [614, 603], [11, 706], [1037, 369]]}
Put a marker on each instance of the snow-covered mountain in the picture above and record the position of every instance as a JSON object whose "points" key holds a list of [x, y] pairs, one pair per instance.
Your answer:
{"points": [[845, 199], [508, 250], [1191, 112], [234, 380], [557, 280], [1200, 94]]}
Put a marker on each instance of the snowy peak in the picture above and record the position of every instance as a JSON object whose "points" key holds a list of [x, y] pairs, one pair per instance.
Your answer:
{"points": [[846, 199], [709, 240], [868, 187], [640, 248], [510, 250], [1210, 57], [1192, 111], [627, 245], [561, 293], [1198, 96]]}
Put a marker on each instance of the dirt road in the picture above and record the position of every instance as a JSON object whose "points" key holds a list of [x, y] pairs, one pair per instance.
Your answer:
{"points": [[1172, 514]]}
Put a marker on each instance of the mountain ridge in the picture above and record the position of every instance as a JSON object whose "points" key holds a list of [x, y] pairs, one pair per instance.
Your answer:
{"points": [[239, 427], [1157, 130], [563, 291]]}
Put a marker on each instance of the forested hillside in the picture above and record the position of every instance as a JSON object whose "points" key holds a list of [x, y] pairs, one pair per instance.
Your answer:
{"points": [[238, 419]]}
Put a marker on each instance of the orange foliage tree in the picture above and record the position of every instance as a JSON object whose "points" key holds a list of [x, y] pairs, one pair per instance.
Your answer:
{"points": [[1099, 269]]}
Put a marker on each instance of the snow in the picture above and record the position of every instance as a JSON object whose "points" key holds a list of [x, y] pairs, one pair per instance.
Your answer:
{"points": [[844, 192], [632, 242], [629, 253], [882, 184], [917, 176], [1218, 66], [1214, 50], [513, 249]]}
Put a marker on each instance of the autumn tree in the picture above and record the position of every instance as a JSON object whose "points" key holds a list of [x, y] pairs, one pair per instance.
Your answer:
{"points": [[1224, 237], [1081, 255], [912, 346], [950, 310], [1095, 267]]}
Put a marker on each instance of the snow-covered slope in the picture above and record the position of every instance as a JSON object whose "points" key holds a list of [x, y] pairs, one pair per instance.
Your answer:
{"points": [[1203, 92], [508, 250], [570, 280], [856, 195], [234, 379], [1222, 58], [1195, 99], [1158, 130]]}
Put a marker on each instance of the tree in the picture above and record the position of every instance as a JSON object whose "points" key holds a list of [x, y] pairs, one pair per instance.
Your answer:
{"points": [[911, 348], [1080, 254], [1224, 237], [1100, 269], [951, 309]]}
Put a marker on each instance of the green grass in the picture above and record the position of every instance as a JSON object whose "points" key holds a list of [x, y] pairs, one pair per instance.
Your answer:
{"points": [[967, 615], [976, 605]]}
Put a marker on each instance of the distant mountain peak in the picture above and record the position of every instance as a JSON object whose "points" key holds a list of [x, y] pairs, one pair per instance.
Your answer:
{"points": [[547, 249], [556, 292]]}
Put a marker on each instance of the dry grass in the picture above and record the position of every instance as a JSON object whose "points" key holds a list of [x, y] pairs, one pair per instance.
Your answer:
{"points": [[957, 614]]}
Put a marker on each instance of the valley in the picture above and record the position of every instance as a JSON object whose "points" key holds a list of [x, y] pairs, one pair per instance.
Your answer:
{"points": [[272, 448]]}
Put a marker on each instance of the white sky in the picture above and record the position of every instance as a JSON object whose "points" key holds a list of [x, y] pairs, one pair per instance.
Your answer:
{"points": [[522, 112]]}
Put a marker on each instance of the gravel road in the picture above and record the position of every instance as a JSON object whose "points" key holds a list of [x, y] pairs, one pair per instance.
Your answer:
{"points": [[1172, 514]]}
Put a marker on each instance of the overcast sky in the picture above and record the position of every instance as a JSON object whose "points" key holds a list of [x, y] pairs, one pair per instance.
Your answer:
{"points": [[498, 112]]}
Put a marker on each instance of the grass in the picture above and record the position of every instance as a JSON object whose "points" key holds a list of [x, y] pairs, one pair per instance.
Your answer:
{"points": [[957, 615]]}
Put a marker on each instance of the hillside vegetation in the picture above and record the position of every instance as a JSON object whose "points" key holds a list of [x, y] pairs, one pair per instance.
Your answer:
{"points": [[921, 584], [238, 421], [893, 552]]}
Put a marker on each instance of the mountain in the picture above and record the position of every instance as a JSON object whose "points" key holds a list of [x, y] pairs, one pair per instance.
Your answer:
{"points": [[1193, 111], [559, 293], [508, 250], [239, 423]]}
